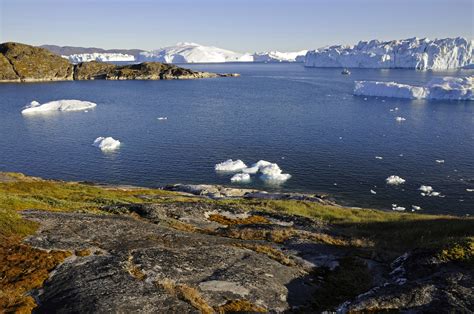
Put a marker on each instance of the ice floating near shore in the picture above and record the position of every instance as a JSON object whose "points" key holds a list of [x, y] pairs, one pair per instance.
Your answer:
{"points": [[230, 166], [106, 144], [427, 190], [400, 119], [397, 208], [414, 207], [270, 172], [440, 161], [373, 192], [395, 180], [444, 88], [58, 105], [240, 177], [379, 157]]}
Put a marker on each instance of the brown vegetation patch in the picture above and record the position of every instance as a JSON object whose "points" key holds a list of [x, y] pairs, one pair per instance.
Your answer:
{"points": [[133, 269], [23, 268], [223, 220], [236, 306], [82, 253], [272, 235], [188, 294], [268, 250]]}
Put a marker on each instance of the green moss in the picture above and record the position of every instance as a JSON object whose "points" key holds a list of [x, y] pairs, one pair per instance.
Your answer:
{"points": [[462, 252], [11, 224]]}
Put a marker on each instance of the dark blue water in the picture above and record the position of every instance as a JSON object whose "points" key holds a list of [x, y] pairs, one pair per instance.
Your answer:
{"points": [[306, 120]]}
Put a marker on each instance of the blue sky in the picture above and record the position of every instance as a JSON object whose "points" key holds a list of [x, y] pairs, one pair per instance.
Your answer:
{"points": [[240, 25]]}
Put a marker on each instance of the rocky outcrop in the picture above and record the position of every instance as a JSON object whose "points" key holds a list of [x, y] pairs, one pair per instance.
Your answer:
{"points": [[34, 64], [24, 63]]}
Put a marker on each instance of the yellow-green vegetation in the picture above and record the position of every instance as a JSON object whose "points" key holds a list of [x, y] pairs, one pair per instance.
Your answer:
{"points": [[462, 252], [236, 306], [268, 250], [188, 294], [23, 194], [390, 233], [223, 220]]}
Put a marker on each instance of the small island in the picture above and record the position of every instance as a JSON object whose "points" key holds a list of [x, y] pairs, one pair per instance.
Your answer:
{"points": [[25, 63]]}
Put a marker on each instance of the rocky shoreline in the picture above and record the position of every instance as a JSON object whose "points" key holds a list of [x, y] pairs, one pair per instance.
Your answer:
{"points": [[213, 249], [24, 63]]}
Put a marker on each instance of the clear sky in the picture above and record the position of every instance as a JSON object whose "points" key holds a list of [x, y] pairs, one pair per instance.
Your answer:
{"points": [[240, 25]]}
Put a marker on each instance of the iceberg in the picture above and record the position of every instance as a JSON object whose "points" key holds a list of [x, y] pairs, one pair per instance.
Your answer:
{"points": [[277, 56], [106, 144], [230, 166], [101, 57], [412, 53], [193, 53], [444, 88], [58, 105], [394, 180], [240, 177]]}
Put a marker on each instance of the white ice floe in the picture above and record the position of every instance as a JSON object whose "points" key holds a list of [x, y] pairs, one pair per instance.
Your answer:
{"points": [[58, 105], [230, 166], [273, 174], [414, 207], [444, 88], [400, 119], [440, 161], [379, 157], [427, 190], [412, 53], [395, 180], [162, 118], [240, 177], [397, 208], [469, 190], [373, 192], [106, 144]]}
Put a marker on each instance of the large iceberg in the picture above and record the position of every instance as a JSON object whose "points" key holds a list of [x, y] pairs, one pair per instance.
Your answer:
{"points": [[193, 53], [412, 53], [277, 56], [444, 88], [58, 105], [101, 57]]}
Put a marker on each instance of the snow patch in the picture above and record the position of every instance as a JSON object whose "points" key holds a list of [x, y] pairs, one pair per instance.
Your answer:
{"points": [[58, 105]]}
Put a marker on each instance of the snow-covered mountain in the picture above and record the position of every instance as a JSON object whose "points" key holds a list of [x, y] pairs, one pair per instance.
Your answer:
{"points": [[102, 57], [193, 53], [413, 53], [277, 56]]}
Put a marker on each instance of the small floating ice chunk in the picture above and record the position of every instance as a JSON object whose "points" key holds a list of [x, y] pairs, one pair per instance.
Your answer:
{"points": [[240, 177], [162, 118], [397, 208], [379, 157], [414, 207], [400, 119], [230, 166], [469, 190], [58, 105], [426, 189], [440, 161], [373, 192], [395, 180], [106, 144]]}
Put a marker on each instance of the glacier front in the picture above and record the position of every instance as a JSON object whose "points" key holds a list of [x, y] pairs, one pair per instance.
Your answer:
{"points": [[412, 53], [444, 88]]}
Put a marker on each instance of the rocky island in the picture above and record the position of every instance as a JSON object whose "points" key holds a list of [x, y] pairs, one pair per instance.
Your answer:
{"points": [[25, 63], [82, 247]]}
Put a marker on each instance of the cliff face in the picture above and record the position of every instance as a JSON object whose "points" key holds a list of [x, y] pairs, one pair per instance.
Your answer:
{"points": [[24, 63]]}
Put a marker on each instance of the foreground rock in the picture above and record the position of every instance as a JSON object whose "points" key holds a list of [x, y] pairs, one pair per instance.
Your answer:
{"points": [[191, 257], [24, 63]]}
